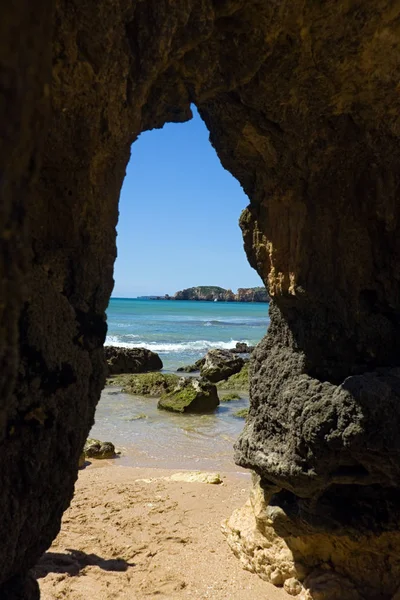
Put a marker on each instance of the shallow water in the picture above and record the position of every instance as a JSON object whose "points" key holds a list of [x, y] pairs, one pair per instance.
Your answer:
{"points": [[164, 439]]}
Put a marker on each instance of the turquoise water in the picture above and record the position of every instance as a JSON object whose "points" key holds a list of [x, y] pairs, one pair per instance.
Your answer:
{"points": [[182, 331]]}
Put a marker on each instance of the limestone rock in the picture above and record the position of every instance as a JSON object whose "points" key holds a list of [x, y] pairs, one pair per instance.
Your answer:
{"points": [[220, 364], [311, 566], [131, 360], [190, 395], [196, 477]]}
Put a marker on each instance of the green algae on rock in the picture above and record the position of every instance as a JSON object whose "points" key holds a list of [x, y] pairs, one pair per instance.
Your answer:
{"points": [[190, 395], [150, 384], [238, 381]]}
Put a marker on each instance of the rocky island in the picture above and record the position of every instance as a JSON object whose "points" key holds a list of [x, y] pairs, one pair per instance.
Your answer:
{"points": [[215, 293]]}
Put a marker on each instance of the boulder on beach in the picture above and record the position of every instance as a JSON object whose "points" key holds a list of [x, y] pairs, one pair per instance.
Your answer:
{"points": [[220, 364], [131, 360], [97, 449], [190, 395]]}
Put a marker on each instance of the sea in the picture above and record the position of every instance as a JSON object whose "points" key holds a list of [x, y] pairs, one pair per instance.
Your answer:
{"points": [[181, 332]]}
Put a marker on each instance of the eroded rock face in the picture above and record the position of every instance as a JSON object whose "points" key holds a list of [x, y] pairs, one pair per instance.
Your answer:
{"points": [[302, 104]]}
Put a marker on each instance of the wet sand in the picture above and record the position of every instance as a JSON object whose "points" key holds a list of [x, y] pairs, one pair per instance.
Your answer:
{"points": [[131, 534]]}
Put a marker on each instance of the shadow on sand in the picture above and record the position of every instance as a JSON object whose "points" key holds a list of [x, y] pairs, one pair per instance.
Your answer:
{"points": [[73, 561]]}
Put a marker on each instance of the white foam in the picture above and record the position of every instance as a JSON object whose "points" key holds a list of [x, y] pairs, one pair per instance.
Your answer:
{"points": [[195, 346]]}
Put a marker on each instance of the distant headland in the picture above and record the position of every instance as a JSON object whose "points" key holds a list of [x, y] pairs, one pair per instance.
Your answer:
{"points": [[214, 293]]}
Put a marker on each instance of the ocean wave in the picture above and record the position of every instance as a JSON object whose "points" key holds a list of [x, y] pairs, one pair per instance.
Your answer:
{"points": [[196, 346], [233, 323]]}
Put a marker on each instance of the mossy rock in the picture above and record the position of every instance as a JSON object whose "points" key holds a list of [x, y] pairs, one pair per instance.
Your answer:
{"points": [[99, 450], [242, 413], [230, 397], [238, 381], [150, 384], [190, 395]]}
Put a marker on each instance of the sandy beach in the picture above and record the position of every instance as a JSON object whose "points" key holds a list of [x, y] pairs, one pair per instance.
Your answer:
{"points": [[133, 533]]}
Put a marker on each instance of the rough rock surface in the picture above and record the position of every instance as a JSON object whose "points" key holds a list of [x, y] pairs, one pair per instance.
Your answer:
{"points": [[190, 395], [131, 360], [312, 135], [220, 364], [308, 564], [97, 449]]}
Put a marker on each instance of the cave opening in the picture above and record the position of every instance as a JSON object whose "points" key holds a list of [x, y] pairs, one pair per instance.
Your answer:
{"points": [[178, 229]]}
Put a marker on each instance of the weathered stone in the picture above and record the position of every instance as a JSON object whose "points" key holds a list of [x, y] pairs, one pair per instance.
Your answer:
{"points": [[328, 566], [190, 395], [220, 364], [302, 104], [131, 360]]}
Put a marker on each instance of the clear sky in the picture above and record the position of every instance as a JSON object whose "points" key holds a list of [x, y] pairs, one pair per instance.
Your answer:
{"points": [[179, 210]]}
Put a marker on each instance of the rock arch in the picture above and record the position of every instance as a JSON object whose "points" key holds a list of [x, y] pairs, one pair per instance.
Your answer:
{"points": [[302, 104]]}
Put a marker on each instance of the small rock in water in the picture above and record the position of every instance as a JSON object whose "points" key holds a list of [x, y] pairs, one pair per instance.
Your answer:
{"points": [[190, 395], [97, 449]]}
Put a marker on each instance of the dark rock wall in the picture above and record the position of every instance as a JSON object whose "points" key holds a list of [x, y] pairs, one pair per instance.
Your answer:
{"points": [[303, 108]]}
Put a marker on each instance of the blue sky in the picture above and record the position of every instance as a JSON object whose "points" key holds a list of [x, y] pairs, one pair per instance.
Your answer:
{"points": [[179, 210]]}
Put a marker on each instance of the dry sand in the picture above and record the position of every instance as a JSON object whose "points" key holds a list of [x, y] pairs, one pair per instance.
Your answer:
{"points": [[130, 534]]}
